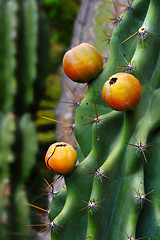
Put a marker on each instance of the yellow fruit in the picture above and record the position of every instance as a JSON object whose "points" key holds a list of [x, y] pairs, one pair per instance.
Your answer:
{"points": [[122, 92], [82, 63], [61, 157]]}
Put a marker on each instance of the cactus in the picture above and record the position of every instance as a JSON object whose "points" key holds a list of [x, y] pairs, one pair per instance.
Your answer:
{"points": [[7, 50], [113, 192], [26, 54], [19, 50], [25, 158], [7, 127]]}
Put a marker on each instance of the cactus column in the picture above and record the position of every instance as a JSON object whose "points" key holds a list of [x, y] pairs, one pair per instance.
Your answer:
{"points": [[19, 35], [26, 145], [7, 124]]}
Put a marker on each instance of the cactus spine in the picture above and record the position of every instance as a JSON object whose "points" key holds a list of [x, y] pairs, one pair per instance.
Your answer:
{"points": [[125, 206]]}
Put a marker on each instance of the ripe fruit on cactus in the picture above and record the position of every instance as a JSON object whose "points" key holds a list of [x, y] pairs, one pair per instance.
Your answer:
{"points": [[61, 157], [122, 92], [82, 63]]}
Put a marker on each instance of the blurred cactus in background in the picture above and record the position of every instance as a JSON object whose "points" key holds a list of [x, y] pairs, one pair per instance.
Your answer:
{"points": [[19, 39]]}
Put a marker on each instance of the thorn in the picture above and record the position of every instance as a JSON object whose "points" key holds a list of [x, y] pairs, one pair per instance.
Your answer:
{"points": [[70, 126], [98, 173], [129, 37], [31, 232], [48, 227], [129, 67], [116, 18], [51, 187], [56, 179], [142, 33], [106, 38], [90, 235], [118, 4], [141, 148], [91, 206], [96, 120], [76, 101], [132, 238], [127, 7], [39, 208], [142, 197]]}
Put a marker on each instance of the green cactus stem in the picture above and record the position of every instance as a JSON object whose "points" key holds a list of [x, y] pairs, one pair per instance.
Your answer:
{"points": [[26, 54], [19, 38], [8, 33]]}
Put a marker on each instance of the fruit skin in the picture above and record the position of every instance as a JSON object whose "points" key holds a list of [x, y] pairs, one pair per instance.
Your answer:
{"points": [[61, 157], [82, 63], [122, 92]]}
